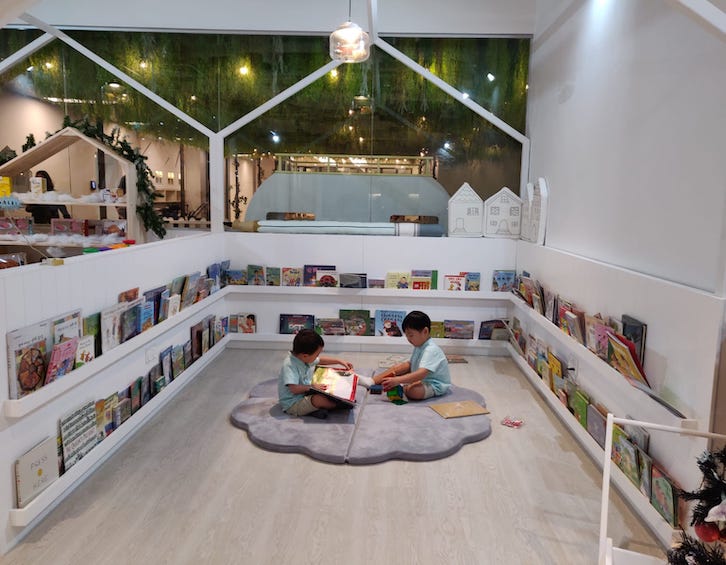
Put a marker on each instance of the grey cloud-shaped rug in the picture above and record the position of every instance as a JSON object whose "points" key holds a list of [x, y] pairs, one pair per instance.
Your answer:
{"points": [[375, 430]]}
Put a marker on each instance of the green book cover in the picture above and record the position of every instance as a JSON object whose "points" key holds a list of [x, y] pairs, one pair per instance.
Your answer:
{"points": [[92, 326]]}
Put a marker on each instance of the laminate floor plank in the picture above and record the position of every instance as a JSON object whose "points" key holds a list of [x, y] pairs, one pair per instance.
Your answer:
{"points": [[189, 488]]}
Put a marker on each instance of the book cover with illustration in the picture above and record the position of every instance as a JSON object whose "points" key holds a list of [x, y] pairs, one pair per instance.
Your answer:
{"points": [[26, 351], [256, 275], [234, 277], [154, 297], [291, 276], [330, 326], [357, 322], [472, 281], [273, 276], [62, 360], [503, 280], [246, 323], [340, 385], [293, 323], [131, 320], [66, 326], [424, 279], [189, 293], [147, 315], [398, 279], [459, 329], [389, 323], [327, 279], [91, 325], [310, 273], [454, 282], [437, 328], [177, 361], [353, 280], [85, 352]]}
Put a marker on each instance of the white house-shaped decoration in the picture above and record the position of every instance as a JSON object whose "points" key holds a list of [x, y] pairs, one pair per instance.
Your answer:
{"points": [[503, 215], [466, 213]]}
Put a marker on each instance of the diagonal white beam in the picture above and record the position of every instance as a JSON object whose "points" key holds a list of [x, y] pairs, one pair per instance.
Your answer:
{"points": [[117, 73], [708, 12], [275, 100], [26, 51]]}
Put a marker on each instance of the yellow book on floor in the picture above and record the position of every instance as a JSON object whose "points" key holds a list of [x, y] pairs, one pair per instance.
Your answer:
{"points": [[459, 409]]}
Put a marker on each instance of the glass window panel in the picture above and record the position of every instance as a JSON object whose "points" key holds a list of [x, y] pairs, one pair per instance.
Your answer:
{"points": [[381, 107], [214, 78]]}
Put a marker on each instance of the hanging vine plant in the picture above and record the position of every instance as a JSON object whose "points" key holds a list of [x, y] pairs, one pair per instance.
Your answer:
{"points": [[144, 186]]}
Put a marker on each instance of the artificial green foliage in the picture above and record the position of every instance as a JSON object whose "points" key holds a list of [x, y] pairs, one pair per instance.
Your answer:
{"points": [[29, 142], [146, 193], [713, 487], [693, 552]]}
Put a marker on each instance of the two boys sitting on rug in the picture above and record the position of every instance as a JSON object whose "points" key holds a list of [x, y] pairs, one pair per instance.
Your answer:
{"points": [[425, 375]]}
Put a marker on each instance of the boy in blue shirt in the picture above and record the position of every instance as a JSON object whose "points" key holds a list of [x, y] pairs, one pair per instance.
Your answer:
{"points": [[426, 374], [294, 383]]}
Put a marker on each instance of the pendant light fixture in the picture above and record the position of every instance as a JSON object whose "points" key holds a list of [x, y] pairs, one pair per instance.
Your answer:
{"points": [[349, 43]]}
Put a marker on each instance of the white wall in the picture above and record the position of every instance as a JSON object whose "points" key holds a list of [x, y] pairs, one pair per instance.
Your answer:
{"points": [[626, 120], [316, 16]]}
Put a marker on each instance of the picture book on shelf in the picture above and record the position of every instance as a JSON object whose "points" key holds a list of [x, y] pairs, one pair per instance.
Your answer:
{"points": [[174, 305], [327, 279], [424, 279], [91, 325], [596, 423], [36, 470], [79, 433], [129, 295], [398, 279], [135, 394], [310, 273], [493, 329], [214, 272], [195, 335], [635, 331], [62, 360], [459, 329], [256, 275], [353, 280], [389, 322], [273, 276], [291, 276], [596, 335], [437, 329], [165, 362], [111, 326], [177, 361], [85, 352], [246, 323], [472, 281], [235, 277], [503, 280], [623, 358], [146, 315], [625, 455], [664, 495], [131, 320], [645, 470], [337, 384], [357, 322], [26, 351], [154, 297], [330, 326], [376, 283], [454, 282], [66, 326], [189, 293], [293, 323]]}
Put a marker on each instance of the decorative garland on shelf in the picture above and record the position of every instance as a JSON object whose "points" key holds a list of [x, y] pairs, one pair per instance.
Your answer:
{"points": [[146, 193]]}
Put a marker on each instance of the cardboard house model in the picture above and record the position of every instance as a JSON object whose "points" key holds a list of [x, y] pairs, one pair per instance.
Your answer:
{"points": [[503, 215], [466, 213]]}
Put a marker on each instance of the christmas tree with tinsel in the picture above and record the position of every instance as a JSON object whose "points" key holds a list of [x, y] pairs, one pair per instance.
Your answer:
{"points": [[708, 516]]}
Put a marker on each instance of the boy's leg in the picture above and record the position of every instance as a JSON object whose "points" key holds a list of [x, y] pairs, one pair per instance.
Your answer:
{"points": [[419, 391], [310, 404]]}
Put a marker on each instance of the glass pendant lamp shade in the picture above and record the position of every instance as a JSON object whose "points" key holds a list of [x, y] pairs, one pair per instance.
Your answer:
{"points": [[349, 43]]}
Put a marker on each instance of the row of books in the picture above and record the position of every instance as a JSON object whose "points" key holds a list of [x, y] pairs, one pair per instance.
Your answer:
{"points": [[40, 353], [329, 276], [630, 444], [387, 323], [82, 428], [619, 342]]}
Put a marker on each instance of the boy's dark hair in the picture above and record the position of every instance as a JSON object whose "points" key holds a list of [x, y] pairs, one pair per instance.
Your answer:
{"points": [[416, 320], [307, 342]]}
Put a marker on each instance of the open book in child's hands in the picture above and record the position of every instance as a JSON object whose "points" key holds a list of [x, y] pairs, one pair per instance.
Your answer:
{"points": [[338, 384]]}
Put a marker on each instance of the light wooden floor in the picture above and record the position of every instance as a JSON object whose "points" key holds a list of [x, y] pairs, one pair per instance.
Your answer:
{"points": [[191, 488]]}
